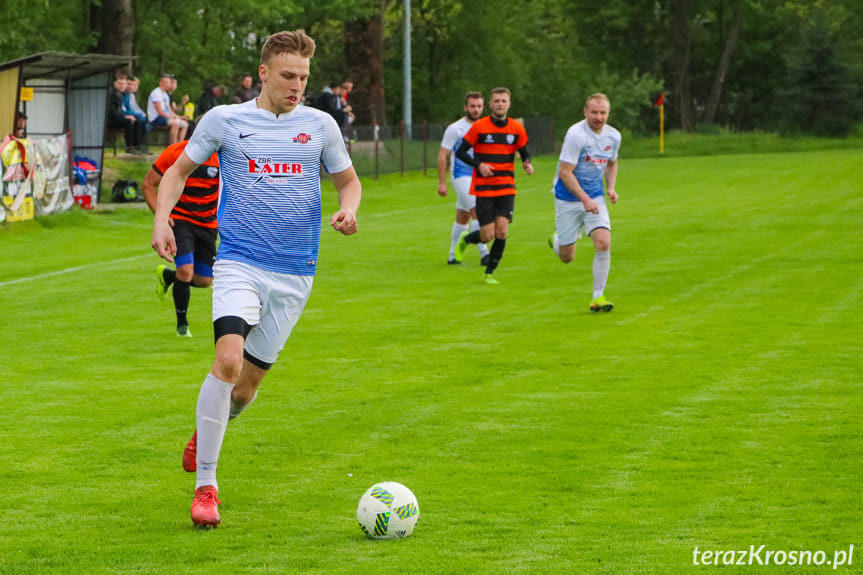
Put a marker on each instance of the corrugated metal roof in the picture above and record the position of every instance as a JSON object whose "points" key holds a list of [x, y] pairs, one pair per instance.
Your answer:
{"points": [[63, 65]]}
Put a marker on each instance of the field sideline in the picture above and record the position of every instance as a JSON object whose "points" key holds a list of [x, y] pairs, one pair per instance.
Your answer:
{"points": [[718, 406]]}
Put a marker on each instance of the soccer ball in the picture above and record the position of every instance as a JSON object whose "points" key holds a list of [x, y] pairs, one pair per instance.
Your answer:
{"points": [[388, 510]]}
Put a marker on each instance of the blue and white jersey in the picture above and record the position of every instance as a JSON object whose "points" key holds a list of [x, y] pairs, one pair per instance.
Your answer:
{"points": [[270, 205], [451, 141], [590, 153]]}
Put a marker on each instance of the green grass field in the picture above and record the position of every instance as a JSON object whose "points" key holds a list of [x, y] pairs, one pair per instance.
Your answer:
{"points": [[718, 406]]}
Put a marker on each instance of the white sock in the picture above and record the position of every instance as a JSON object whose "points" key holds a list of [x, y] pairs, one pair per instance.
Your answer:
{"points": [[556, 246], [237, 409], [214, 403], [483, 249], [601, 267], [457, 230]]}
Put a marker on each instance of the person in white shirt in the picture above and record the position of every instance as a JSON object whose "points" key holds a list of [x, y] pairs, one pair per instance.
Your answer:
{"points": [[589, 153], [460, 175], [271, 151], [159, 111]]}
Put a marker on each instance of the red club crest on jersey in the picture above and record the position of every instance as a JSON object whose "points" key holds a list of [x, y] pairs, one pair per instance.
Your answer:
{"points": [[607, 148], [303, 138]]}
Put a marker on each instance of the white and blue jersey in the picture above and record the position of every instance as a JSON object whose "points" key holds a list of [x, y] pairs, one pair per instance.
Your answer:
{"points": [[451, 141], [270, 205], [590, 153]]}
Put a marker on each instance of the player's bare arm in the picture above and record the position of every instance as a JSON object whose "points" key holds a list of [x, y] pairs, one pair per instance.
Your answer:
{"points": [[611, 180], [151, 182], [350, 193], [171, 189], [569, 180], [441, 172]]}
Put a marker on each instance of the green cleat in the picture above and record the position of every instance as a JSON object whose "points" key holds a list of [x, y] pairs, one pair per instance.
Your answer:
{"points": [[183, 331], [460, 247], [489, 279], [162, 286], [551, 240], [601, 304]]}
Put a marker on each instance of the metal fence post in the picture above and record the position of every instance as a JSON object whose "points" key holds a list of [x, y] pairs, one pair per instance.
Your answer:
{"points": [[402, 140], [425, 146]]}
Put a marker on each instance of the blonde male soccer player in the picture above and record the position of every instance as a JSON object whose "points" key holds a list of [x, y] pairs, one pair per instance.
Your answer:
{"points": [[589, 152], [270, 152], [460, 175]]}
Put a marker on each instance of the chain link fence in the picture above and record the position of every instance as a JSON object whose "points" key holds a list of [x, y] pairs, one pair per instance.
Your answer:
{"points": [[395, 148]]}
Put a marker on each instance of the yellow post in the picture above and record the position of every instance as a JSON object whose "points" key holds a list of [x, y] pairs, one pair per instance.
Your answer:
{"points": [[661, 129]]}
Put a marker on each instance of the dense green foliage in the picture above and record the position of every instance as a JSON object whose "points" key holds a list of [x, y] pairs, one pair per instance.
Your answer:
{"points": [[796, 64], [719, 406]]}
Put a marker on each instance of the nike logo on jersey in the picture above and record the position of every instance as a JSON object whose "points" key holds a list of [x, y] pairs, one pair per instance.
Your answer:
{"points": [[242, 136]]}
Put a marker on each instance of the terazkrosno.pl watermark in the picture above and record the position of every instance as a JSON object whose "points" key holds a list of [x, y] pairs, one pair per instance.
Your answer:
{"points": [[762, 556]]}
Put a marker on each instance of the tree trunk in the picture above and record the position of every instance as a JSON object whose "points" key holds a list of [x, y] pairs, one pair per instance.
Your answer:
{"points": [[680, 77], [364, 55], [114, 25], [724, 63]]}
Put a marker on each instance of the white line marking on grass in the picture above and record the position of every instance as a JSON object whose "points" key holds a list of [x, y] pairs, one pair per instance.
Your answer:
{"points": [[70, 270]]}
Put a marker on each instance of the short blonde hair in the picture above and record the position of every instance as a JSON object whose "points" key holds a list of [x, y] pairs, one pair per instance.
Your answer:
{"points": [[288, 42], [597, 96]]}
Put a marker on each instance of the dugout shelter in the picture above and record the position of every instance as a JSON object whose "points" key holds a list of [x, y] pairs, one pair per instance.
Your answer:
{"points": [[60, 93]]}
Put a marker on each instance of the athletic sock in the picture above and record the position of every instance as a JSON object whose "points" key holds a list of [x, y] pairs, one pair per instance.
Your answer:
{"points": [[483, 249], [237, 408], [169, 276], [473, 237], [495, 255], [182, 295], [457, 230], [214, 403], [556, 246], [601, 267]]}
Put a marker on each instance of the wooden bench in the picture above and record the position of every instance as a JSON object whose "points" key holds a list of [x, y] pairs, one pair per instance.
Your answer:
{"points": [[112, 133]]}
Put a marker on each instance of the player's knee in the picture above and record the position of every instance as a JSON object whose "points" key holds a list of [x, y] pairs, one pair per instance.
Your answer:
{"points": [[567, 257], [500, 234], [228, 364], [185, 273]]}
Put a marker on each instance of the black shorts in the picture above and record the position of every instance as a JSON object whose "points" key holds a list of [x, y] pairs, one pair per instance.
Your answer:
{"points": [[489, 209], [197, 241]]}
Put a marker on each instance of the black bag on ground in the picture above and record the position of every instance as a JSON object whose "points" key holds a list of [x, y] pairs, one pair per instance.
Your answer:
{"points": [[126, 191]]}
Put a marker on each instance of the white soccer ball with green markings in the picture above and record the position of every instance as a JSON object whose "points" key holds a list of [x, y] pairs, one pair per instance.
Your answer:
{"points": [[388, 510]]}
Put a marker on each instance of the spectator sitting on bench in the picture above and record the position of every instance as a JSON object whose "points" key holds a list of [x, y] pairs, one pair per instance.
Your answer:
{"points": [[130, 101], [160, 113], [120, 118]]}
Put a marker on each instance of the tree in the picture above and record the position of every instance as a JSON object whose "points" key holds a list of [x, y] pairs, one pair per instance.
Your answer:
{"points": [[821, 95], [729, 45], [113, 25]]}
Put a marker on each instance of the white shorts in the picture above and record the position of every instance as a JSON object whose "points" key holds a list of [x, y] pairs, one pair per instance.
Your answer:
{"points": [[270, 302], [572, 221], [465, 201]]}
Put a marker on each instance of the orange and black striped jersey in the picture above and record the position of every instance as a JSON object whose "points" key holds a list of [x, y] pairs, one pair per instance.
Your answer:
{"points": [[200, 197], [496, 146]]}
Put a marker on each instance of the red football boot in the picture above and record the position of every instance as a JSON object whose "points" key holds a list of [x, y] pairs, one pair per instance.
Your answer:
{"points": [[190, 454], [205, 507]]}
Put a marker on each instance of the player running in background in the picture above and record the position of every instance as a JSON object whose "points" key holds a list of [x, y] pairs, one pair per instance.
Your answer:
{"points": [[589, 151], [460, 174], [270, 153], [494, 140], [194, 223]]}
